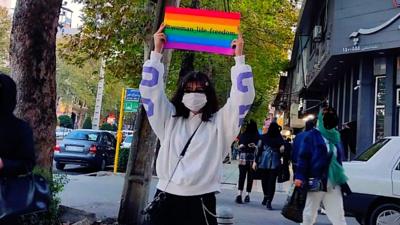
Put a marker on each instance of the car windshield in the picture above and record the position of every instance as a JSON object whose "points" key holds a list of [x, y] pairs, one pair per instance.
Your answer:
{"points": [[371, 151], [83, 135], [128, 139]]}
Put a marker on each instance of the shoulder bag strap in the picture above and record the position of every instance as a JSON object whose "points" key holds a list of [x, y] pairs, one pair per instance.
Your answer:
{"points": [[182, 154]]}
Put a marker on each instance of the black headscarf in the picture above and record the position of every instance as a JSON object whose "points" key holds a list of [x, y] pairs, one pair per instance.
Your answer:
{"points": [[273, 137], [8, 95], [250, 134]]}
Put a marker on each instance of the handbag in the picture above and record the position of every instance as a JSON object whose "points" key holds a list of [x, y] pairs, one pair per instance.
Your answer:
{"points": [[314, 184], [23, 195], [284, 173], [295, 203], [269, 158], [154, 208]]}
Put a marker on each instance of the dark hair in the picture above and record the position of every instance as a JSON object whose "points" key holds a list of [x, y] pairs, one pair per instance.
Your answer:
{"points": [[274, 130], [251, 127], [211, 106], [8, 94], [309, 125]]}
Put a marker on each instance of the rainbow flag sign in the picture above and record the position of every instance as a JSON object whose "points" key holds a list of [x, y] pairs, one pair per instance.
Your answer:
{"points": [[201, 30]]}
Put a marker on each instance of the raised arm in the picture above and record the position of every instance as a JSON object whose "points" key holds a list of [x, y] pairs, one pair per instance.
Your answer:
{"points": [[231, 116], [158, 108]]}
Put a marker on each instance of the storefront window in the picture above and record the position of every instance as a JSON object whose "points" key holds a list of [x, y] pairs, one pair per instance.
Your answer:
{"points": [[398, 71], [380, 66], [379, 107]]}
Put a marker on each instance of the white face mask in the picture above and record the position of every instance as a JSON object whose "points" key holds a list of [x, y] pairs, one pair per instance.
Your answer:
{"points": [[194, 101]]}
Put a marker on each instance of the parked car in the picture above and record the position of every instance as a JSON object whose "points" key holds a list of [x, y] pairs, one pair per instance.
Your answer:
{"points": [[94, 148], [127, 142], [374, 178]]}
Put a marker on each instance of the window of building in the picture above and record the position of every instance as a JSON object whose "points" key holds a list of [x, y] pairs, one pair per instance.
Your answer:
{"points": [[379, 107], [380, 66], [398, 71]]}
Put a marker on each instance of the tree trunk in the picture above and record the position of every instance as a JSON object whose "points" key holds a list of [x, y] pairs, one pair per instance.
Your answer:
{"points": [[33, 64], [139, 169]]}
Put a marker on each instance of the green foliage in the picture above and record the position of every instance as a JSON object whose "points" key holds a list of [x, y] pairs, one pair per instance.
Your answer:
{"points": [[56, 183], [117, 31], [88, 123], [65, 121], [123, 159], [107, 126], [5, 30]]}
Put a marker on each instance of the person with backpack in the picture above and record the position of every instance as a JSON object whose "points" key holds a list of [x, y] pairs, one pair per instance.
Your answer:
{"points": [[268, 161]]}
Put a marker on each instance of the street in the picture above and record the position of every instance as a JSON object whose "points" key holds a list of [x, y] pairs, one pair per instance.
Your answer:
{"points": [[101, 195]]}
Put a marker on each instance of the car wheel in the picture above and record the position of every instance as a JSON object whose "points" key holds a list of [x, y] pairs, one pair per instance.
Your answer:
{"points": [[388, 213], [103, 165], [60, 166]]}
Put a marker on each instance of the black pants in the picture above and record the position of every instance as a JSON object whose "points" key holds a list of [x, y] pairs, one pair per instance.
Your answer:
{"points": [[243, 171], [268, 182], [185, 210]]}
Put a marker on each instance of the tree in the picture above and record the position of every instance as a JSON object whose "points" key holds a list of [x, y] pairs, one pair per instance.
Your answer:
{"points": [[107, 126], [267, 27], [33, 63], [65, 121], [5, 30], [88, 123]]}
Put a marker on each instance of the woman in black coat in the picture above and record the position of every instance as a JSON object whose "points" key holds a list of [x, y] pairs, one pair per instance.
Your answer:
{"points": [[17, 154], [247, 149], [268, 161]]}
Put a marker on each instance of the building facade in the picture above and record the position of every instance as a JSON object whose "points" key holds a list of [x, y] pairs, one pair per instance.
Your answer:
{"points": [[347, 53]]}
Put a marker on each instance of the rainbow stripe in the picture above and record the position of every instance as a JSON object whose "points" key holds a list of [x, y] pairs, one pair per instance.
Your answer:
{"points": [[201, 30]]}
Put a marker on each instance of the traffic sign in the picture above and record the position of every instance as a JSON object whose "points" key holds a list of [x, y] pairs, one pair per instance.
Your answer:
{"points": [[131, 106], [132, 95]]}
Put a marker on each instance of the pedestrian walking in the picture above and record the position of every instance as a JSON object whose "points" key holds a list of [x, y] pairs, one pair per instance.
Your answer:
{"points": [[297, 143], [248, 141], [319, 170], [16, 140], [235, 149], [195, 136], [268, 161]]}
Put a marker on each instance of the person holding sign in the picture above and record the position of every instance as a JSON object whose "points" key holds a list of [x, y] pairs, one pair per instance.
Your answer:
{"points": [[195, 136]]}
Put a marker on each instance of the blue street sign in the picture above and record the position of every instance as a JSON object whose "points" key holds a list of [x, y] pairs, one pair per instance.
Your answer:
{"points": [[132, 95]]}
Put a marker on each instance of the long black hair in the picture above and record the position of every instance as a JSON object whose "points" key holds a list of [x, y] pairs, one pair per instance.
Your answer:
{"points": [[273, 137], [211, 106], [250, 134], [8, 95]]}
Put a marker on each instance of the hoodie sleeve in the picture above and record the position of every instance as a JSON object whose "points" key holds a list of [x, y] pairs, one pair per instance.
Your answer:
{"points": [[158, 108], [230, 117]]}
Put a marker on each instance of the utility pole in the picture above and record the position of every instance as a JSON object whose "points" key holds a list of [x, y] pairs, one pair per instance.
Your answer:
{"points": [[99, 97], [139, 169]]}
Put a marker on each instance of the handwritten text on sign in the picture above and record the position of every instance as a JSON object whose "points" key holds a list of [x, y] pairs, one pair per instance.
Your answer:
{"points": [[201, 30]]}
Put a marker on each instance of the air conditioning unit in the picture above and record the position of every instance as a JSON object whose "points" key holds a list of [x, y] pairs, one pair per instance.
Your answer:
{"points": [[317, 34]]}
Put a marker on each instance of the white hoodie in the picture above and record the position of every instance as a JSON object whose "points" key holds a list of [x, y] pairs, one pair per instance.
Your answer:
{"points": [[200, 170]]}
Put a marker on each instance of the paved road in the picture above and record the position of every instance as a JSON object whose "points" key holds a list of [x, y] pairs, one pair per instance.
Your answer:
{"points": [[101, 195], [77, 170]]}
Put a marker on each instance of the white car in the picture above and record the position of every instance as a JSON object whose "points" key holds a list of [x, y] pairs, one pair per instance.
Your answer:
{"points": [[374, 178], [127, 142]]}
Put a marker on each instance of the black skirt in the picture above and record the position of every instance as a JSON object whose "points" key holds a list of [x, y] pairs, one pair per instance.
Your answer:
{"points": [[186, 210]]}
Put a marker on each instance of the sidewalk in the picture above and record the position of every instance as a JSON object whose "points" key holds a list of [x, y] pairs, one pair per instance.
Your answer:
{"points": [[101, 195]]}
